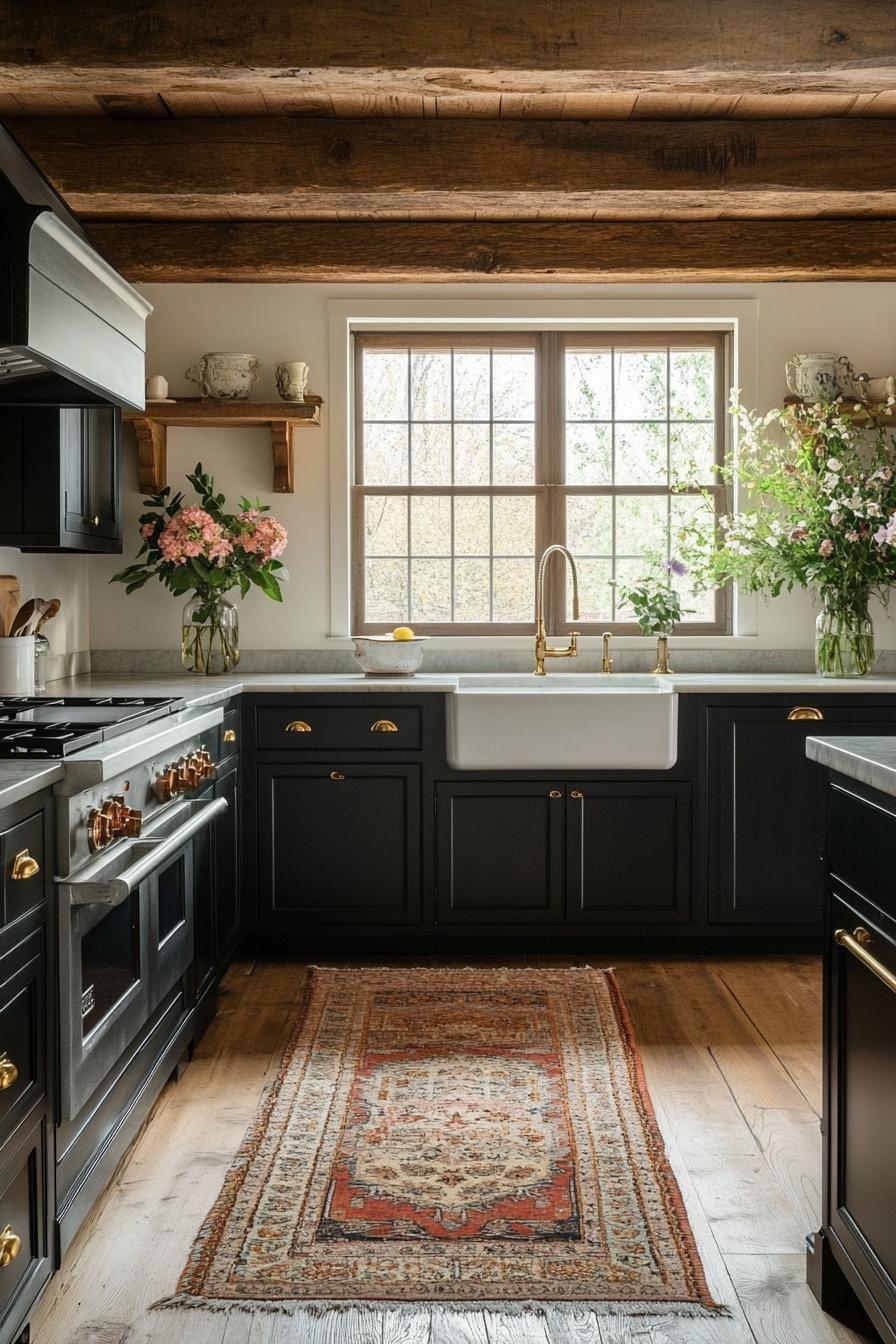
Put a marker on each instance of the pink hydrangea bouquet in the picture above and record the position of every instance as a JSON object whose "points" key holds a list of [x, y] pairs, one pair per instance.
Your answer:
{"points": [[204, 550], [817, 510]]}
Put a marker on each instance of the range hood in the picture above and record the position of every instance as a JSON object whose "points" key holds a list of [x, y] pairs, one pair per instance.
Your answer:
{"points": [[71, 329]]}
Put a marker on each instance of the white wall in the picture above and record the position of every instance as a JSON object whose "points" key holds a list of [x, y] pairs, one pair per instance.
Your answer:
{"points": [[291, 322], [62, 576]]}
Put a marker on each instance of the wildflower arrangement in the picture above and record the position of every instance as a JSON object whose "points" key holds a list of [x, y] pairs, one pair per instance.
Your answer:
{"points": [[656, 604], [821, 515], [205, 550]]}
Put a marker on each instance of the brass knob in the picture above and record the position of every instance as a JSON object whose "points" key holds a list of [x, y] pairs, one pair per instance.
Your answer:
{"points": [[229, 735], [10, 1245], [804, 712], [384, 726], [99, 828], [187, 776], [23, 866], [576, 793], [204, 764], [334, 774], [166, 785], [298, 726], [555, 793], [131, 822], [8, 1072]]}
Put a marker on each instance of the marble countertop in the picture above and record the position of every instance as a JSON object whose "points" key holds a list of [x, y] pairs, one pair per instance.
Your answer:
{"points": [[200, 691], [20, 779], [868, 760]]}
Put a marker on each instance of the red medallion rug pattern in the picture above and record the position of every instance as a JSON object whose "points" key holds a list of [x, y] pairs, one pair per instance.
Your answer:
{"points": [[458, 1137]]}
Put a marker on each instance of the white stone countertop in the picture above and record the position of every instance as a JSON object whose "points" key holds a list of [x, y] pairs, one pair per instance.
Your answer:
{"points": [[869, 760], [20, 779], [199, 690]]}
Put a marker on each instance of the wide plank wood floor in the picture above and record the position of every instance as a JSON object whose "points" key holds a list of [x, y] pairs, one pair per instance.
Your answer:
{"points": [[732, 1053]]}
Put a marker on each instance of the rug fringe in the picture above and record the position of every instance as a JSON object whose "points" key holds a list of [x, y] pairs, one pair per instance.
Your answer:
{"points": [[382, 1311]]}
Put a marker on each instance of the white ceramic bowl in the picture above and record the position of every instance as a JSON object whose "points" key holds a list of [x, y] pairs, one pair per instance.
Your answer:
{"points": [[383, 656]]}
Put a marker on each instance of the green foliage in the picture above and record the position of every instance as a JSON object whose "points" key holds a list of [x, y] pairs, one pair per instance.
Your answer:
{"points": [[656, 604]]}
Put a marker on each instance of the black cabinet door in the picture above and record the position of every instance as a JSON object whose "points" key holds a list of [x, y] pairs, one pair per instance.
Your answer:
{"points": [[499, 853], [227, 868], [90, 443], [764, 810], [628, 853], [861, 1100], [338, 846]]}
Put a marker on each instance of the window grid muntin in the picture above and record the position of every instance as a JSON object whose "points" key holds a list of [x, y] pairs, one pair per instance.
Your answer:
{"points": [[549, 461]]}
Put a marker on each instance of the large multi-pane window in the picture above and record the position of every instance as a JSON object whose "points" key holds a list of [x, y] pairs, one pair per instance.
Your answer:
{"points": [[475, 451]]}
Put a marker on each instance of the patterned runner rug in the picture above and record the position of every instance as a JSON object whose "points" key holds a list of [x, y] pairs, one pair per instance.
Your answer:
{"points": [[471, 1138]]}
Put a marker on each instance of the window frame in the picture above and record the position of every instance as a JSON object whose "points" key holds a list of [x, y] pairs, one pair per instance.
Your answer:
{"points": [[550, 490]]}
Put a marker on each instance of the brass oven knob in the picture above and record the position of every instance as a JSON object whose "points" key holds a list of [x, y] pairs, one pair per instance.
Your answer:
{"points": [[24, 866], [10, 1245], [165, 785], [204, 764], [132, 822], [99, 828], [187, 776], [8, 1072]]}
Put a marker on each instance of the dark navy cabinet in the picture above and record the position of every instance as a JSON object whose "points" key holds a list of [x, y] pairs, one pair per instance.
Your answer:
{"points": [[765, 803], [854, 1253]]}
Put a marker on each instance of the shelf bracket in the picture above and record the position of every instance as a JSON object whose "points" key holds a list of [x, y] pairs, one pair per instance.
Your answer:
{"points": [[152, 455], [282, 454]]}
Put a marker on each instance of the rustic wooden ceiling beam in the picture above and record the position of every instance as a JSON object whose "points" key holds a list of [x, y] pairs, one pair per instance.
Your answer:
{"points": [[461, 47], [358, 251], [368, 168]]}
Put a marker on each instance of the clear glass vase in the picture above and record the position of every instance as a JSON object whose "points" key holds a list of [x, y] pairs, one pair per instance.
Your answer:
{"points": [[844, 640], [210, 635]]}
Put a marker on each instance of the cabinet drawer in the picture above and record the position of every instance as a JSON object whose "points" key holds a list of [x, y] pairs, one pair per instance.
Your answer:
{"points": [[363, 727], [23, 866], [862, 845], [23, 1211], [23, 998]]}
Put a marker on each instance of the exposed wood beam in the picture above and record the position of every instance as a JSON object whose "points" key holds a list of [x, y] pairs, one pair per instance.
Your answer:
{"points": [[295, 168], [448, 47], [358, 251]]}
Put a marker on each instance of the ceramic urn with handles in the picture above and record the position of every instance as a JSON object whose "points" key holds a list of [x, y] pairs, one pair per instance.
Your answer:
{"points": [[225, 376]]}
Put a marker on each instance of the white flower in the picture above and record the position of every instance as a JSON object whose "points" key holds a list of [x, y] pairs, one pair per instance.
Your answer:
{"points": [[834, 464], [872, 508], [836, 519]]}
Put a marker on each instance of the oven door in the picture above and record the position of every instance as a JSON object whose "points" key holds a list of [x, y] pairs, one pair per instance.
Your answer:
{"points": [[126, 939]]}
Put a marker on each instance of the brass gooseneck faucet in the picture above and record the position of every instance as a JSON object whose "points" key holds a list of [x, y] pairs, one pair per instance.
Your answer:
{"points": [[542, 649]]}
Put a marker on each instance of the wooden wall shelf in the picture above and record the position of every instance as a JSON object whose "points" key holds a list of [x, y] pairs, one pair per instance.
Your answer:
{"points": [[283, 418], [875, 415]]}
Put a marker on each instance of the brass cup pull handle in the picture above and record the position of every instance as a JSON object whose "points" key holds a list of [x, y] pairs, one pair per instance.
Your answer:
{"points": [[804, 712], [555, 793], [384, 726], [229, 734], [10, 1245], [577, 793], [298, 726], [335, 774], [8, 1072], [24, 866], [857, 944]]}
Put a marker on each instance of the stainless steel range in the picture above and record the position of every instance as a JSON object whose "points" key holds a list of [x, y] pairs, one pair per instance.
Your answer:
{"points": [[57, 726], [129, 813]]}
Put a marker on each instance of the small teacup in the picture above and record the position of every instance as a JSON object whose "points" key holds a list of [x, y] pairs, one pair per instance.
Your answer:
{"points": [[292, 380]]}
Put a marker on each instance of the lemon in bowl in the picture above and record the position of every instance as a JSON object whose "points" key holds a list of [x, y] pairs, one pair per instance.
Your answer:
{"points": [[402, 633]]}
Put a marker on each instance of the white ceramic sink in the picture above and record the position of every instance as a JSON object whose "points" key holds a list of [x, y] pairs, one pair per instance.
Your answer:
{"points": [[563, 722]]}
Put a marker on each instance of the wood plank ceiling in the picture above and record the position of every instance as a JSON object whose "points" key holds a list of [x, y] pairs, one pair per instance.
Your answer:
{"points": [[465, 139]]}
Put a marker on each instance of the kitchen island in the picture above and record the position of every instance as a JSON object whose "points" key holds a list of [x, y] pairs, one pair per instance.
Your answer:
{"points": [[854, 1252]]}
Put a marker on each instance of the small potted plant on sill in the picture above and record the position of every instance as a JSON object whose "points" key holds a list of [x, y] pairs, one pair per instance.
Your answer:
{"points": [[204, 550], [821, 515], [657, 606]]}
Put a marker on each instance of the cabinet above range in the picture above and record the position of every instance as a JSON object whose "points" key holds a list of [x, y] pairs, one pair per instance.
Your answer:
{"points": [[62, 478]]}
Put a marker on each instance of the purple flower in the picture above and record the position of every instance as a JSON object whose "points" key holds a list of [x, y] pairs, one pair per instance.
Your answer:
{"points": [[676, 567]]}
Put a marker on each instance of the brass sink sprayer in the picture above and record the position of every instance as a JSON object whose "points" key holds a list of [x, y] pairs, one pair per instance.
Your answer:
{"points": [[542, 648]]}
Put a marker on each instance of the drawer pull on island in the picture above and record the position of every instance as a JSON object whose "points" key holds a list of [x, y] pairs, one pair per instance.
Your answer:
{"points": [[384, 726], [229, 734], [24, 866], [8, 1072], [298, 726], [334, 774], [555, 793], [857, 943], [10, 1245], [804, 712]]}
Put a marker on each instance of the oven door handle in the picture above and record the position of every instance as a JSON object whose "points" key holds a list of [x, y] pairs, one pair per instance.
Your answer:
{"points": [[112, 891]]}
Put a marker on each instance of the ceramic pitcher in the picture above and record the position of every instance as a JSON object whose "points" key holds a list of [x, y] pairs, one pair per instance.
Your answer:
{"points": [[813, 377]]}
